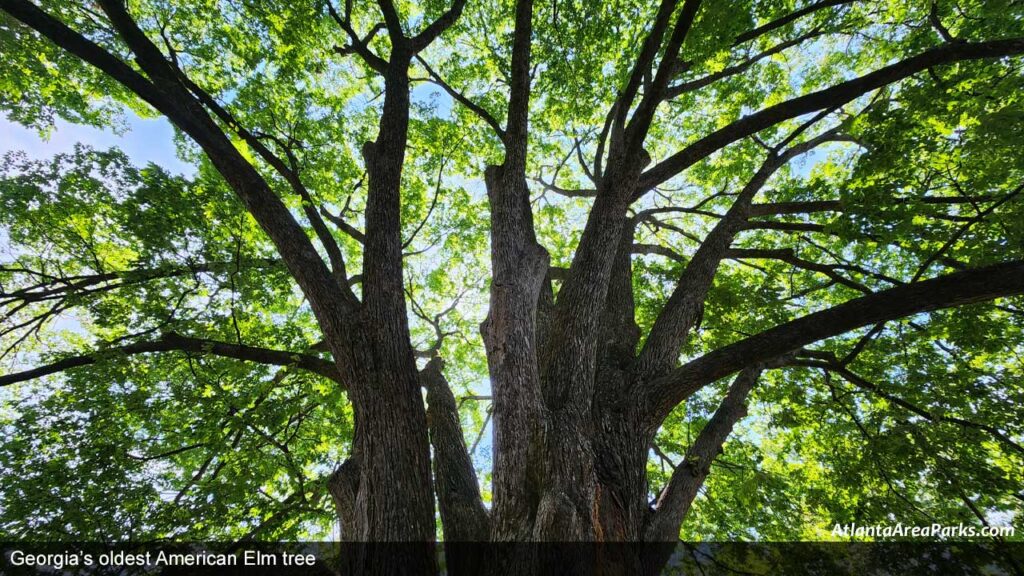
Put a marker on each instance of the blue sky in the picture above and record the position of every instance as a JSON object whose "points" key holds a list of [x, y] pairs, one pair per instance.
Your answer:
{"points": [[146, 140]]}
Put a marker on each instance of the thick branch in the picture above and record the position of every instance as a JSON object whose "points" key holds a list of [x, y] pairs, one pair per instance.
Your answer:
{"points": [[290, 172], [358, 45], [640, 123], [642, 66], [967, 287], [657, 249], [63, 36], [519, 95], [463, 515], [675, 500], [685, 307], [519, 266], [384, 303], [343, 486], [823, 99], [571, 358], [619, 332], [393, 22], [437, 27]]}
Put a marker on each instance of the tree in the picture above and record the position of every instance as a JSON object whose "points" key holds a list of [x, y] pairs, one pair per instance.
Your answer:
{"points": [[810, 207]]}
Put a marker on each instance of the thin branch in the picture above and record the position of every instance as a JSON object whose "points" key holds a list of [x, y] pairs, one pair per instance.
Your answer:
{"points": [[828, 361], [787, 255], [963, 230], [792, 16], [171, 342], [433, 204], [473, 107], [779, 208], [358, 45], [691, 85]]}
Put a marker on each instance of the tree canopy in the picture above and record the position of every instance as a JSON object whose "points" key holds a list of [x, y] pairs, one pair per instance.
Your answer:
{"points": [[824, 197]]}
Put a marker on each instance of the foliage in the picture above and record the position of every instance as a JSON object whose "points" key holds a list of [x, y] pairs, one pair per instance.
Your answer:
{"points": [[100, 253]]}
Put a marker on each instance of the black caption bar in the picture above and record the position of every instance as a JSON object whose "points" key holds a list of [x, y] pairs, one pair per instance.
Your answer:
{"points": [[331, 558]]}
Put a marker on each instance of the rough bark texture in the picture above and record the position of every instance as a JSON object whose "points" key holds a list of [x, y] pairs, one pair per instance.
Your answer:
{"points": [[519, 266], [462, 511]]}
